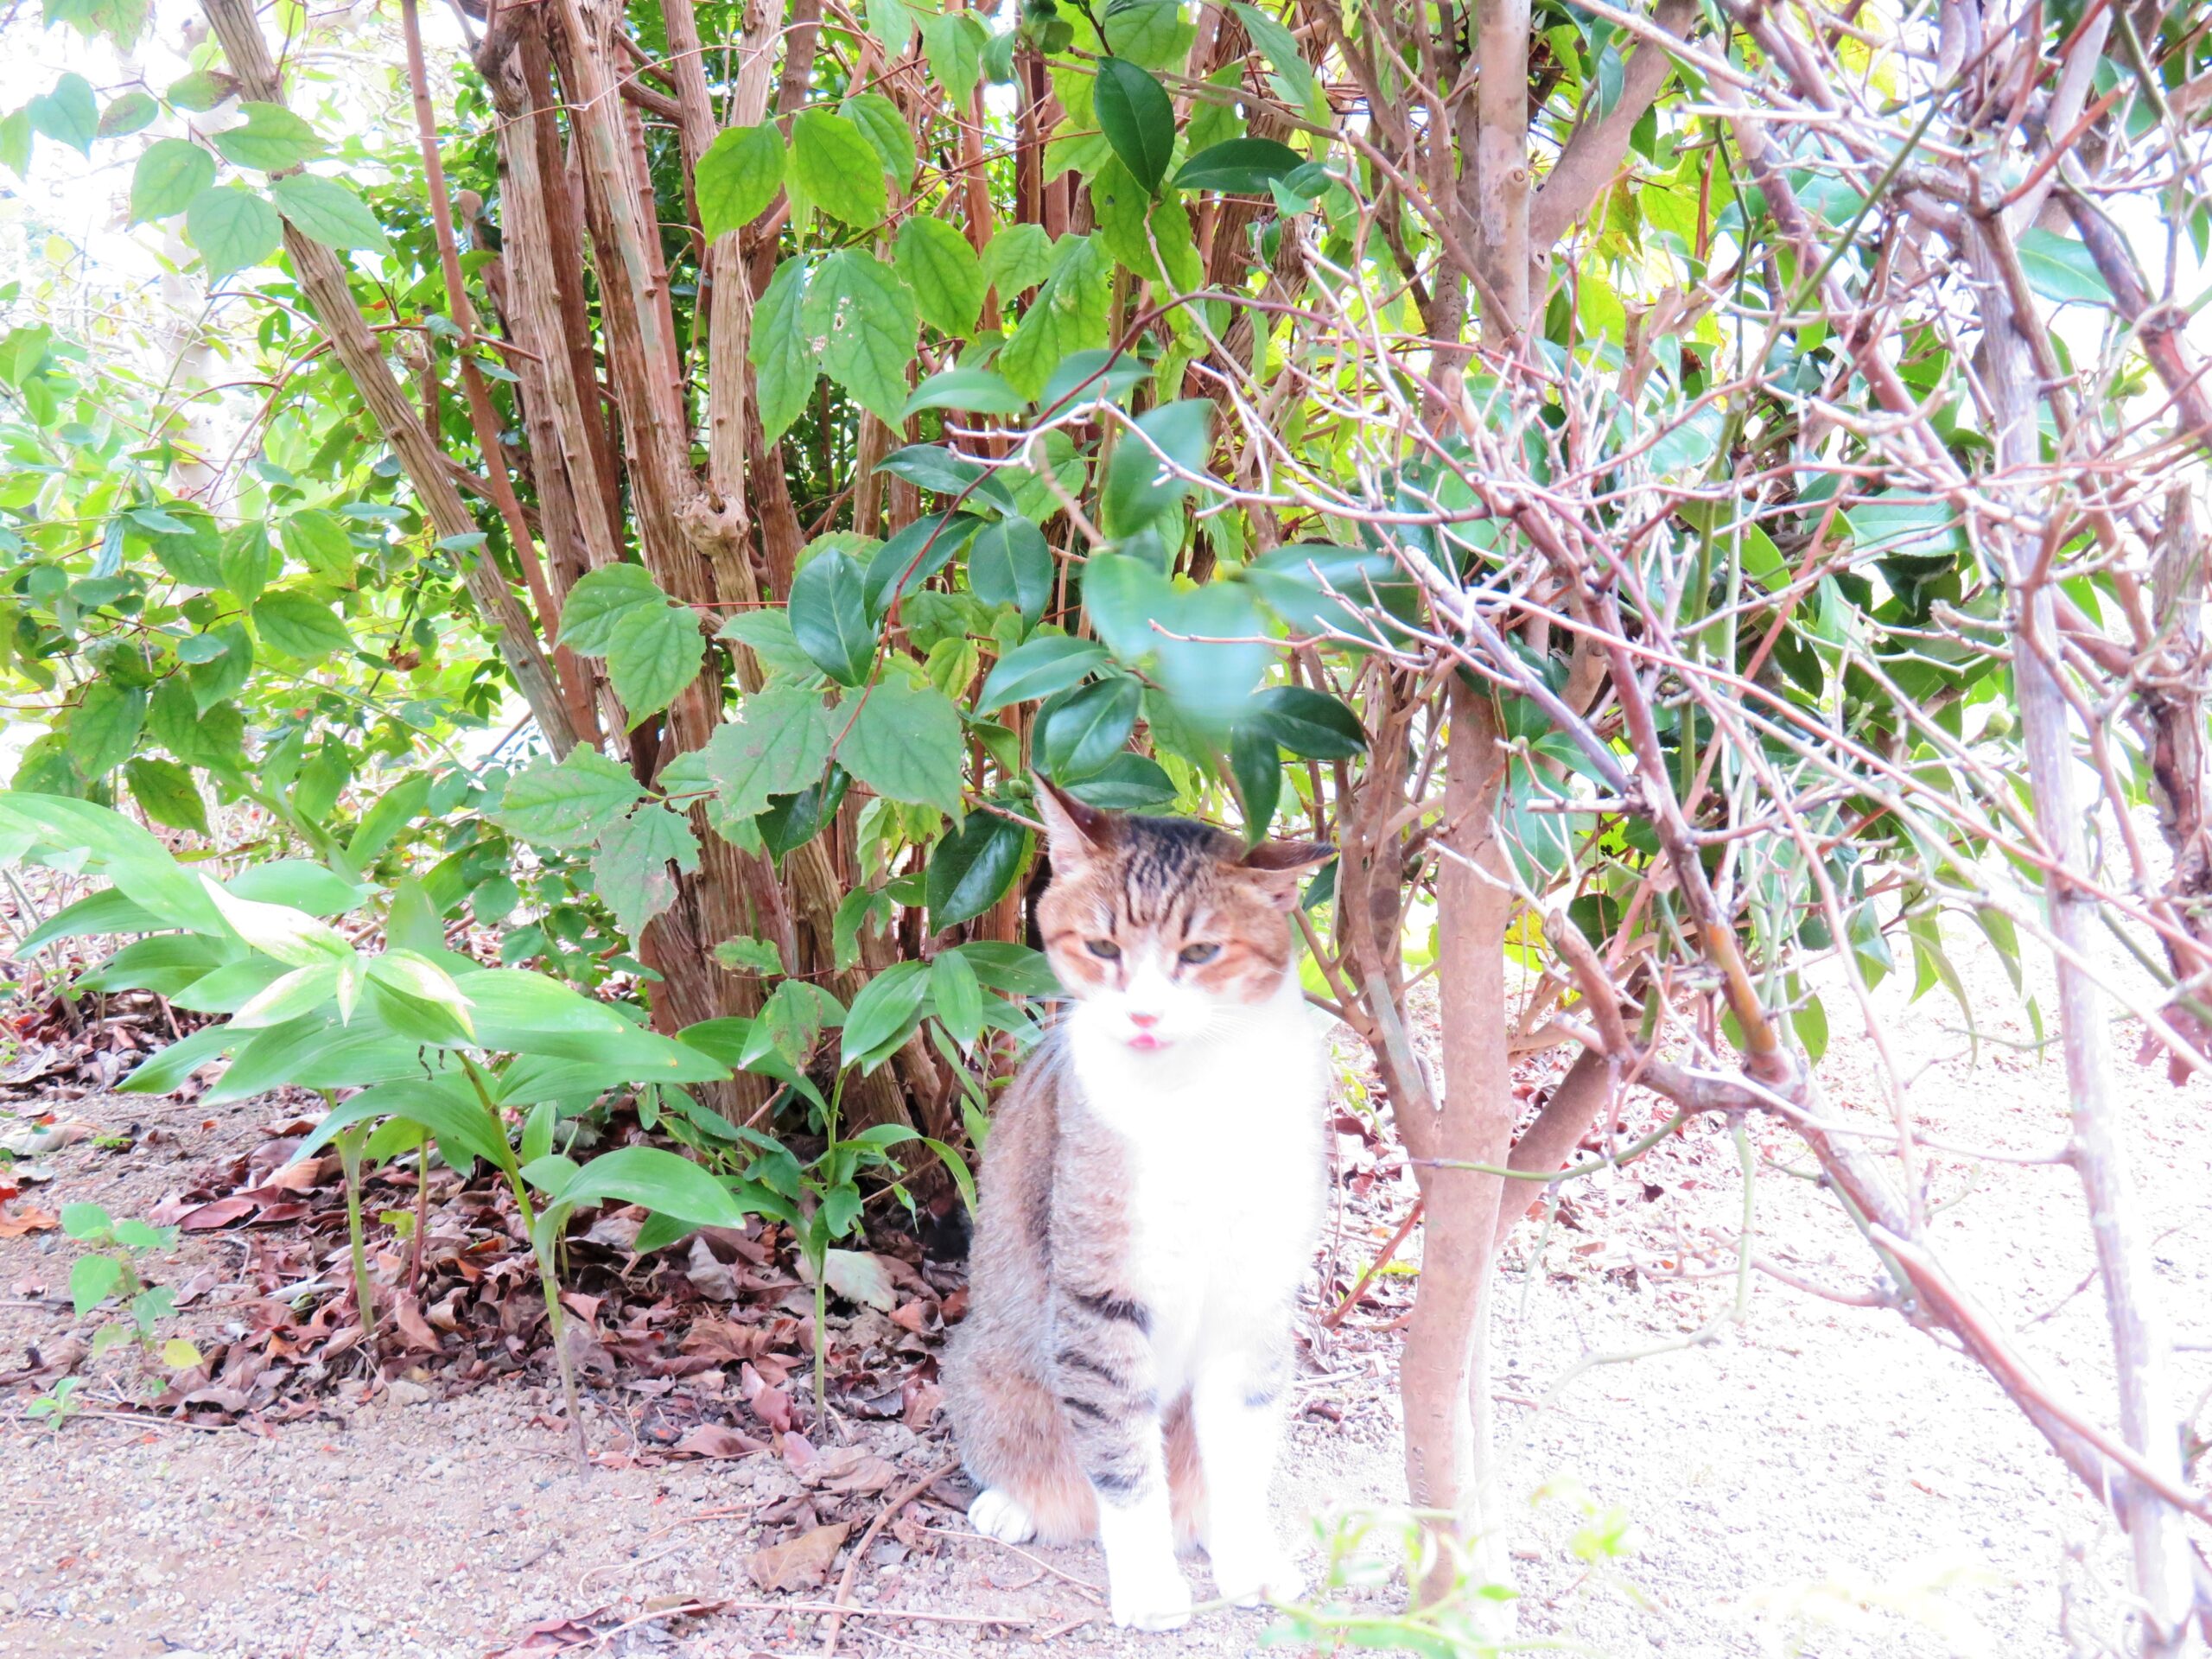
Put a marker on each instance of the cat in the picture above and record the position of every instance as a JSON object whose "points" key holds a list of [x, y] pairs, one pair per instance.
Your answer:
{"points": [[1152, 1189]]}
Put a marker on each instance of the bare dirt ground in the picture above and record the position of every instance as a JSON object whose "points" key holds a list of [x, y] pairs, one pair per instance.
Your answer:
{"points": [[1819, 1480]]}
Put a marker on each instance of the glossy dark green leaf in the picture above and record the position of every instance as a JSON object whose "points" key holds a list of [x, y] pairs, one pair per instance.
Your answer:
{"points": [[1241, 167], [971, 869], [1011, 563], [1137, 119], [914, 555], [1128, 783], [829, 616], [1146, 480], [1076, 736], [791, 821], [1311, 724], [1046, 665], [1256, 768]]}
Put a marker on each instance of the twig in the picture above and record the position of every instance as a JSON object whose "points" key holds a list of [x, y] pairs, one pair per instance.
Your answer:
{"points": [[898, 1501], [1335, 1317]]}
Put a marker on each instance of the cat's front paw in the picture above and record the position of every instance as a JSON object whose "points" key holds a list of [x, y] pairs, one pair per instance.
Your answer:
{"points": [[996, 1515], [1153, 1597], [1256, 1570]]}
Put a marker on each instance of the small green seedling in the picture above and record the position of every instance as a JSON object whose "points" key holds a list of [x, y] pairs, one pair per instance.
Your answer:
{"points": [[56, 1403], [111, 1269]]}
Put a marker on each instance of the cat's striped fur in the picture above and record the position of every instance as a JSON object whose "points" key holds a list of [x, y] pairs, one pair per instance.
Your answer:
{"points": [[1152, 1188]]}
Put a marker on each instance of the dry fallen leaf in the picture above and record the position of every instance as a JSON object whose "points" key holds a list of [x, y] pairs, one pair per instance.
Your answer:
{"points": [[713, 1440], [870, 1474], [800, 1564], [859, 1277], [28, 1219]]}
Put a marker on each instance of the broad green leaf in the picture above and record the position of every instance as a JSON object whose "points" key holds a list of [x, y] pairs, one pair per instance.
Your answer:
{"points": [[1318, 588], [105, 911], [957, 997], [632, 867], [169, 176], [103, 729], [569, 804], [738, 177], [1311, 724], [839, 170], [132, 112], [92, 1280], [1130, 223], [1079, 735], [904, 742], [218, 663], [1011, 970], [1011, 563], [828, 612], [1241, 167], [953, 43], [1256, 768], [1068, 315], [970, 869], [328, 211], [776, 742], [887, 1008], [1142, 483], [388, 814], [1044, 665], [784, 354], [247, 562], [913, 555], [318, 540], [1281, 51], [979, 390], [167, 793], [880, 123], [201, 91], [1018, 257], [1126, 783], [660, 1180], [233, 228], [299, 626], [793, 820], [2061, 269], [292, 937], [942, 269], [287, 997], [602, 599], [1139, 121], [767, 634], [270, 138], [68, 115], [865, 317], [654, 652]]}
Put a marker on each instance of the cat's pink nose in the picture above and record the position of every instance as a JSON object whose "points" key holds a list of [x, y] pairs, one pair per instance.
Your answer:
{"points": [[1144, 1022]]}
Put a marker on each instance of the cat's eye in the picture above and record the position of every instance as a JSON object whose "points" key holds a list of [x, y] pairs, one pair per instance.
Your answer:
{"points": [[1106, 949], [1195, 954]]}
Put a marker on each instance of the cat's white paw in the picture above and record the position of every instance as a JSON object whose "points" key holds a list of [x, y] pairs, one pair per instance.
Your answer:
{"points": [[1255, 1569], [1151, 1596], [995, 1514]]}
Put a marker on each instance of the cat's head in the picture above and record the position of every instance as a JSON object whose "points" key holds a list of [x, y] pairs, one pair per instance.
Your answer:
{"points": [[1165, 928]]}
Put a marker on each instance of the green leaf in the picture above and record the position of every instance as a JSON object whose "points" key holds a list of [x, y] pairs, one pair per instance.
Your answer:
{"points": [[105, 911], [979, 390], [1079, 736], [600, 601], [1281, 49], [1140, 488], [223, 670], [92, 1279], [1126, 783], [270, 138], [15, 139], [1310, 724], [784, 354], [885, 1011], [245, 562], [68, 115], [1242, 167], [904, 743], [630, 867], [1018, 257], [169, 176], [1317, 587], [880, 123], [750, 955], [659, 1180], [946, 277], [569, 804], [971, 869], [865, 317], [1130, 221], [913, 555], [1149, 32], [318, 540], [1139, 121], [288, 934], [738, 177], [1010, 563], [828, 612], [836, 168], [775, 743], [1068, 315], [233, 228], [1256, 768], [1012, 970], [2058, 268], [132, 112], [103, 729], [165, 790], [957, 997], [328, 211], [953, 43], [654, 652], [201, 91], [299, 626], [1044, 665]]}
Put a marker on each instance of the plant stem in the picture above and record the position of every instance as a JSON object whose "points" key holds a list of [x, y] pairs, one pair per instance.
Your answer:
{"points": [[350, 1143], [548, 1284]]}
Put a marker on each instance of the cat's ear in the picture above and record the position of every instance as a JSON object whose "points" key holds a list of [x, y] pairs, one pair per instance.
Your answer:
{"points": [[1074, 834], [1279, 865]]}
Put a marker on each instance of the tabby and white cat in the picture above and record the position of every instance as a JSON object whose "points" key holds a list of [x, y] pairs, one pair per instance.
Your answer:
{"points": [[1152, 1191]]}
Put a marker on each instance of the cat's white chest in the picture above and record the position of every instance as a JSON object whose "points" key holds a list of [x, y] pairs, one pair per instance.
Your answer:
{"points": [[1226, 1164]]}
